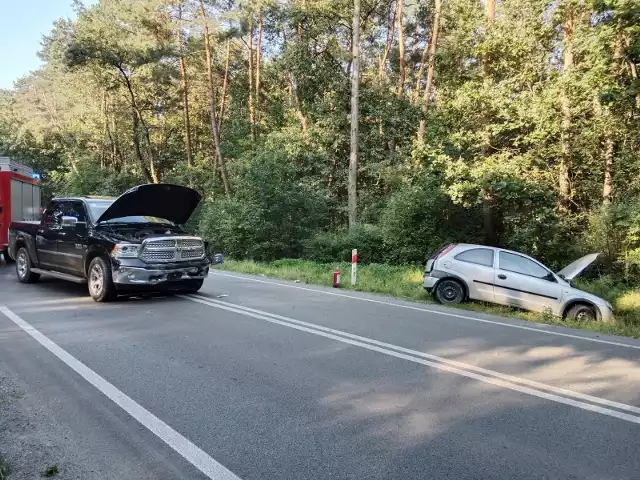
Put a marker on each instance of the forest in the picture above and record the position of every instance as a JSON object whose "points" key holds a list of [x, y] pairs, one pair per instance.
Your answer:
{"points": [[505, 122]]}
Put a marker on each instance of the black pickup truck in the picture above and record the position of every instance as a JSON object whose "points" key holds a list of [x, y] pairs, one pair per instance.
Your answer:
{"points": [[131, 243]]}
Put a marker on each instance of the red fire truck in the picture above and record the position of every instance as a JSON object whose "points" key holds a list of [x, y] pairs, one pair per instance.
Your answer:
{"points": [[19, 197]]}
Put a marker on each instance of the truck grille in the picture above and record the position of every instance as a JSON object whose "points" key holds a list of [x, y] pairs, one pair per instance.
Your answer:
{"points": [[172, 250]]}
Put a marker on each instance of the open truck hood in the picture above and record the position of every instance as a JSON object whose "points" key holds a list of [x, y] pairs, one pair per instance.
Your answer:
{"points": [[574, 269], [171, 202]]}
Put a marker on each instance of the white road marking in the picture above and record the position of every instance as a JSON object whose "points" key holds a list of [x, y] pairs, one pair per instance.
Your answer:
{"points": [[438, 312], [458, 368], [192, 453]]}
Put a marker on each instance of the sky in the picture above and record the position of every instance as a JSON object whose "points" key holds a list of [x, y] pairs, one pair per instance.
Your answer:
{"points": [[22, 24]]}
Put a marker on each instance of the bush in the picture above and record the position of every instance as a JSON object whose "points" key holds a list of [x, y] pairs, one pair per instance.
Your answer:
{"points": [[614, 231], [327, 247], [420, 218], [270, 217]]}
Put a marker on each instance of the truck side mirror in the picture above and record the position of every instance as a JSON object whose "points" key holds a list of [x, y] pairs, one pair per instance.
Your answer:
{"points": [[68, 222]]}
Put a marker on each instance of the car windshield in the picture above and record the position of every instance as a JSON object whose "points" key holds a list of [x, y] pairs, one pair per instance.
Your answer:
{"points": [[98, 207]]}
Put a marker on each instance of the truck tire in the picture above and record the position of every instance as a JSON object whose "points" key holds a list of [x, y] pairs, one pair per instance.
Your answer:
{"points": [[23, 267], [190, 286], [101, 287]]}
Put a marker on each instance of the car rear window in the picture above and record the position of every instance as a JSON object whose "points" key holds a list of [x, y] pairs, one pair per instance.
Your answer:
{"points": [[480, 256]]}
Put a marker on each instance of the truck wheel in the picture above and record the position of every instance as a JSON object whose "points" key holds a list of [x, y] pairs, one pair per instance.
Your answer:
{"points": [[190, 286], [23, 267], [101, 287]]}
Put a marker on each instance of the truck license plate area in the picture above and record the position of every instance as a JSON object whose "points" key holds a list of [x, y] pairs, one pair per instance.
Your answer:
{"points": [[174, 276]]}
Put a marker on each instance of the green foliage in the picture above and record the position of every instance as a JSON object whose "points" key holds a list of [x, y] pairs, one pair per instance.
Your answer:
{"points": [[270, 217], [420, 218], [326, 247], [614, 231]]}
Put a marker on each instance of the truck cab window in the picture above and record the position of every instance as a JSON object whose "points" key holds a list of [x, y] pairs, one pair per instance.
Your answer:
{"points": [[53, 214], [74, 209]]}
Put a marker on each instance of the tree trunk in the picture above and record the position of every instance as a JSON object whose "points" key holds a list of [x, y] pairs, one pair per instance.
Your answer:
{"points": [[607, 189], [387, 48], [252, 109], [136, 146], [219, 160], [185, 91], [225, 85], [355, 86], [609, 141], [566, 159], [490, 227], [423, 61], [258, 66], [294, 97], [105, 126], [139, 121], [401, 49], [431, 68]]}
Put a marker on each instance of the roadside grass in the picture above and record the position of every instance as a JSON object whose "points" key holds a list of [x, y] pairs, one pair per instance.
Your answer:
{"points": [[405, 281], [4, 469], [50, 471]]}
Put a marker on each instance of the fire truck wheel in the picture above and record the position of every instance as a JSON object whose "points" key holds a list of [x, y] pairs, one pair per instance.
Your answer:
{"points": [[5, 254]]}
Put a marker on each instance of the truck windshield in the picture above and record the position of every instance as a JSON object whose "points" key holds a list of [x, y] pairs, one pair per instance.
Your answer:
{"points": [[98, 207]]}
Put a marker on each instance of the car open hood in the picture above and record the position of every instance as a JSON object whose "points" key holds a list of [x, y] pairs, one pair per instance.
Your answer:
{"points": [[171, 202], [574, 269]]}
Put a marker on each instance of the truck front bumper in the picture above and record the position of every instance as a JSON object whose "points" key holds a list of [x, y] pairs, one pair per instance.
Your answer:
{"points": [[134, 272], [148, 276]]}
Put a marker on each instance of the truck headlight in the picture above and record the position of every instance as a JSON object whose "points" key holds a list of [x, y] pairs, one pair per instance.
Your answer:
{"points": [[125, 250]]}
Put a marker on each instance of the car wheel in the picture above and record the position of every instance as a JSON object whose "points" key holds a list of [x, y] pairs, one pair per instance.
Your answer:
{"points": [[449, 292], [190, 286], [581, 312], [23, 267], [101, 287]]}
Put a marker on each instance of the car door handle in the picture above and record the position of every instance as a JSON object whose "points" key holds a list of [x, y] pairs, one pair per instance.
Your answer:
{"points": [[502, 277]]}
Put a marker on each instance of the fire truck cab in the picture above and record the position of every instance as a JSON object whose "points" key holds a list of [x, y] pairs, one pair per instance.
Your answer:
{"points": [[20, 198]]}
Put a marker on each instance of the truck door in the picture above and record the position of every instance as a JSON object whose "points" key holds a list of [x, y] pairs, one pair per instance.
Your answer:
{"points": [[72, 237], [47, 237]]}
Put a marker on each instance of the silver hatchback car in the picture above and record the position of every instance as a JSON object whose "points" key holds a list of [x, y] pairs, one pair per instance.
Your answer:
{"points": [[476, 272]]}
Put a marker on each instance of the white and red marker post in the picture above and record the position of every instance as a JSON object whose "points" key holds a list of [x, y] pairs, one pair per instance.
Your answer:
{"points": [[354, 266]]}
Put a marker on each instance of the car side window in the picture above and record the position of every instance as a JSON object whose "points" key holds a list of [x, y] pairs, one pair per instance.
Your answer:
{"points": [[518, 264], [481, 256], [53, 214]]}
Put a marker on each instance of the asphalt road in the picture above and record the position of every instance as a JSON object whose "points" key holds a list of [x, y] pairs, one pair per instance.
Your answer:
{"points": [[264, 379]]}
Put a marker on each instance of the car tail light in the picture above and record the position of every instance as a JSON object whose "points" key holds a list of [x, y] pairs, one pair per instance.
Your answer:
{"points": [[446, 250]]}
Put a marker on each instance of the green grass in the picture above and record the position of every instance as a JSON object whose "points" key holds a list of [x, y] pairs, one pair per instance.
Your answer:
{"points": [[50, 471], [405, 281], [4, 469]]}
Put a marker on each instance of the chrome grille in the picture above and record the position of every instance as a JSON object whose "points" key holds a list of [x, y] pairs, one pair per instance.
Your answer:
{"points": [[186, 242], [172, 250], [159, 255], [189, 254], [162, 243]]}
